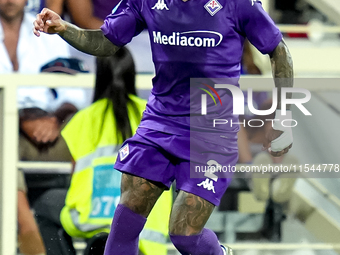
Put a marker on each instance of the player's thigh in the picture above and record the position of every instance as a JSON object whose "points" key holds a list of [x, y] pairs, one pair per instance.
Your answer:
{"points": [[189, 214], [139, 194], [146, 169]]}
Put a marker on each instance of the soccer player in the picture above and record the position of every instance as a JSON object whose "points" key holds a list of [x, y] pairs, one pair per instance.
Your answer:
{"points": [[189, 39]]}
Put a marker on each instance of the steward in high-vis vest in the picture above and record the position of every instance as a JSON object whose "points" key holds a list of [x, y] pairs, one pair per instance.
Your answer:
{"points": [[95, 185]]}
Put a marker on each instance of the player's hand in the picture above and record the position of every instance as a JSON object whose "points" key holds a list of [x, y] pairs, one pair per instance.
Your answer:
{"points": [[279, 137], [49, 22], [273, 135]]}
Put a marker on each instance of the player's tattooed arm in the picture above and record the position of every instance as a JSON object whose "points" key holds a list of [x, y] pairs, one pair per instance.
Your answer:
{"points": [[89, 41], [282, 67], [92, 42]]}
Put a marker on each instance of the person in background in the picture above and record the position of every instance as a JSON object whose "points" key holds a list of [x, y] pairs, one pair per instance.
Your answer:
{"points": [[29, 238], [84, 13], [275, 190], [89, 13], [94, 136], [248, 67], [16, 52], [44, 112], [250, 141], [37, 122], [35, 6], [62, 7], [17, 56]]}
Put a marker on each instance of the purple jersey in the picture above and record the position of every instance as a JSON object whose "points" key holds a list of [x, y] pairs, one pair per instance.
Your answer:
{"points": [[193, 39], [102, 8]]}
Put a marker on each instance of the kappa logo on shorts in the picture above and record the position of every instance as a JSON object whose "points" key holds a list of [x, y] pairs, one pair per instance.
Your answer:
{"points": [[124, 152], [207, 184], [160, 5], [213, 6]]}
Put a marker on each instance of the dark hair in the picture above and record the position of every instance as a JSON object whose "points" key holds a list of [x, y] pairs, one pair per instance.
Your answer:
{"points": [[115, 80]]}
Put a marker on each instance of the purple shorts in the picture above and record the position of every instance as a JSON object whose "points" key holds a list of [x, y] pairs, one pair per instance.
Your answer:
{"points": [[164, 157]]}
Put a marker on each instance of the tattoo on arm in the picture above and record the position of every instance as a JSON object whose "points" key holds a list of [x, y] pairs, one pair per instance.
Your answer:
{"points": [[92, 42], [189, 214], [282, 67]]}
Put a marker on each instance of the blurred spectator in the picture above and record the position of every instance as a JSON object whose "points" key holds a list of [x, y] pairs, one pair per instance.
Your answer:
{"points": [[44, 112], [60, 7], [18, 56], [15, 47], [39, 124], [29, 238], [248, 64], [255, 136], [84, 13], [35, 6], [89, 13], [289, 11], [250, 68], [275, 190], [298, 12], [94, 136]]}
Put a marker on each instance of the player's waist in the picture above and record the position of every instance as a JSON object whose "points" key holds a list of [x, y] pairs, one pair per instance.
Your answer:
{"points": [[187, 125]]}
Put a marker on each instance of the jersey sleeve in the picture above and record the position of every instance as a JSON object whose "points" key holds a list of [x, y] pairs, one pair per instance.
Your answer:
{"points": [[123, 23], [257, 26]]}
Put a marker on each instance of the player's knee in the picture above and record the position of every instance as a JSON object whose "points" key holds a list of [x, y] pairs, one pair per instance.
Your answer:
{"points": [[189, 214], [138, 194], [135, 202]]}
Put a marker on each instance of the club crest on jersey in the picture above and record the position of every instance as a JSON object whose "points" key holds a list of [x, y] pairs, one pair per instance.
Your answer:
{"points": [[213, 6], [160, 5], [124, 152]]}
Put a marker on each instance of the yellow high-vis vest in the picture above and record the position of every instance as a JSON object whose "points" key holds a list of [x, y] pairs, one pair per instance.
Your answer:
{"points": [[95, 185]]}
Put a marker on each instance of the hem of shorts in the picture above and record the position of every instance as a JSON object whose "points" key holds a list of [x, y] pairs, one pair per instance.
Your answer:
{"points": [[212, 200], [136, 171]]}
